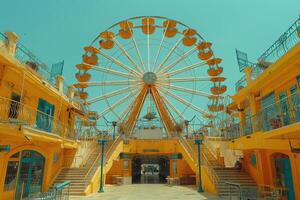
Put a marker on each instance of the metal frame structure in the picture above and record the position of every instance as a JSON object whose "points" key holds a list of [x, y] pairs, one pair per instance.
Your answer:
{"points": [[162, 64]]}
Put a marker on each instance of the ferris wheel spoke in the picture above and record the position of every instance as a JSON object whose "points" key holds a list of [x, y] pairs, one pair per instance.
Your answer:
{"points": [[115, 93], [159, 48], [171, 106], [116, 104], [188, 104], [169, 54], [182, 57], [148, 46], [185, 69], [119, 63], [111, 71], [186, 79], [137, 49], [111, 83], [182, 89], [128, 56], [126, 111]]}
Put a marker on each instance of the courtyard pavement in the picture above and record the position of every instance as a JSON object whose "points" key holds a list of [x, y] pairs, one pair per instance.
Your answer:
{"points": [[148, 192]]}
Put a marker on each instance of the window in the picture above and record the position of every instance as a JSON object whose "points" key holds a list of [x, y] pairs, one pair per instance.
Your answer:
{"points": [[298, 80], [44, 117], [284, 108], [269, 111], [295, 102], [14, 106], [253, 159], [11, 175], [125, 164]]}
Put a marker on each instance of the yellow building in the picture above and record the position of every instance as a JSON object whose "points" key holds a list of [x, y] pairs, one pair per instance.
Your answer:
{"points": [[267, 106], [36, 122]]}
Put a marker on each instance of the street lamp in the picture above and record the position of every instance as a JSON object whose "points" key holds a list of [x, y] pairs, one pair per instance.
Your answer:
{"points": [[114, 123], [186, 123], [102, 143], [198, 141]]}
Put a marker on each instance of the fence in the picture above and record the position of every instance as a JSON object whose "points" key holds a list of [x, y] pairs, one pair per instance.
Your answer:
{"points": [[26, 57], [281, 46], [276, 115], [242, 192], [14, 112], [60, 192], [284, 43]]}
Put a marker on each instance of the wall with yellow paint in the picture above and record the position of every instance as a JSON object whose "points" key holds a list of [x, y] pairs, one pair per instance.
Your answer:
{"points": [[19, 78]]}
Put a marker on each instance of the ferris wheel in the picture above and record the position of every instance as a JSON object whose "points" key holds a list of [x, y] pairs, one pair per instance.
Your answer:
{"points": [[147, 63]]}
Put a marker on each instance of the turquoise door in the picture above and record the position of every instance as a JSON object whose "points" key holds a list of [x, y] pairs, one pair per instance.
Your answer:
{"points": [[284, 175], [44, 116], [30, 174]]}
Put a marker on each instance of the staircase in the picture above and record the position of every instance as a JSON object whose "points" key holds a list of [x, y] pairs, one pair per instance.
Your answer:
{"points": [[221, 174], [80, 177]]}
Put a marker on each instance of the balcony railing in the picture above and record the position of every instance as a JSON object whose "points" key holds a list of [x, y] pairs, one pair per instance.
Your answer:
{"points": [[26, 57], [241, 84], [282, 113], [284, 43], [30, 60], [14, 112]]}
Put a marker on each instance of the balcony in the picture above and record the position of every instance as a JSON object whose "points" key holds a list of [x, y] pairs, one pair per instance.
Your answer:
{"points": [[280, 114], [279, 48], [28, 59], [15, 113]]}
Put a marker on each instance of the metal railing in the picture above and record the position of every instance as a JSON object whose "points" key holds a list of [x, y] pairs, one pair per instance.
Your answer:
{"points": [[108, 150], [204, 160], [14, 112], [242, 192], [282, 113], [26, 57], [240, 84], [284, 43], [31, 61], [281, 46], [60, 192]]}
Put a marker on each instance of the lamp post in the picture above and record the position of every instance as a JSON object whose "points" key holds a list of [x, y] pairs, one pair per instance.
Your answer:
{"points": [[186, 123], [114, 123], [102, 143], [198, 141]]}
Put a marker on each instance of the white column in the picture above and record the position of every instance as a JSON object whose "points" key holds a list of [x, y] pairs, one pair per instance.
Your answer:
{"points": [[71, 92], [12, 42], [60, 83]]}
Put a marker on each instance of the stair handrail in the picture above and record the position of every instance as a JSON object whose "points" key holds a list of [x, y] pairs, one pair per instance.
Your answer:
{"points": [[236, 185], [189, 149], [85, 158], [210, 169], [206, 163], [212, 150], [117, 140]]}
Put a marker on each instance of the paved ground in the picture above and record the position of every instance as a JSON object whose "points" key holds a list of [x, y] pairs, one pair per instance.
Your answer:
{"points": [[148, 192]]}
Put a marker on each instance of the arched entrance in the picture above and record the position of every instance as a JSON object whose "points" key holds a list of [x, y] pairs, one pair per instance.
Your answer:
{"points": [[150, 169], [30, 173], [283, 174]]}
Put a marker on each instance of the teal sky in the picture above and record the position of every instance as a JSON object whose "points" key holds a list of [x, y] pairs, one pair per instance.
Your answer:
{"points": [[56, 30]]}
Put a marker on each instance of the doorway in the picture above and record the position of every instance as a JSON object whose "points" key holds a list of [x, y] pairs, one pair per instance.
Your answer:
{"points": [[283, 174], [30, 174], [149, 169]]}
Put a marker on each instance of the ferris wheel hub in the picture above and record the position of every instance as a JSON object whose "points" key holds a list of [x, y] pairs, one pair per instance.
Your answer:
{"points": [[149, 78]]}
